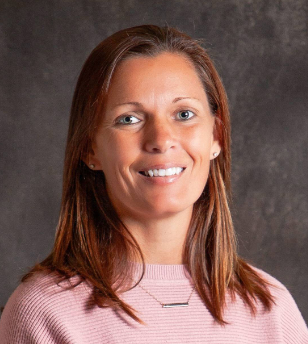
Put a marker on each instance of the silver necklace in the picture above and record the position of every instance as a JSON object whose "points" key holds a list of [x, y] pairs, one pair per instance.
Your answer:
{"points": [[169, 305]]}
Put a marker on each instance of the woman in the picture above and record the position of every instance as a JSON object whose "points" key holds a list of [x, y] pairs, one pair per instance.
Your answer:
{"points": [[145, 249]]}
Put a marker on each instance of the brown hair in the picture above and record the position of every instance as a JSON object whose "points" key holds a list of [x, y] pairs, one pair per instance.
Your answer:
{"points": [[91, 240]]}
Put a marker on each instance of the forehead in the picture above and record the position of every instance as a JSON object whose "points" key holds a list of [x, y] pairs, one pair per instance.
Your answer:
{"points": [[165, 75]]}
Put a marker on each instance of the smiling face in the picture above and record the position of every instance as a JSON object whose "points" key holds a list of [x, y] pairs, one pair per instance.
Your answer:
{"points": [[157, 121]]}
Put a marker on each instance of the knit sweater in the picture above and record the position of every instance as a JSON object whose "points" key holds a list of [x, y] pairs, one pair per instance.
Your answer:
{"points": [[41, 311]]}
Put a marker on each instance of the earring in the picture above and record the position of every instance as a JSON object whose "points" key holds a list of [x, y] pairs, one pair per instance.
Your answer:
{"points": [[92, 166], [215, 154]]}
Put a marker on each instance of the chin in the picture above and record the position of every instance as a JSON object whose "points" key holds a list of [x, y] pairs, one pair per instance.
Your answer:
{"points": [[157, 211]]}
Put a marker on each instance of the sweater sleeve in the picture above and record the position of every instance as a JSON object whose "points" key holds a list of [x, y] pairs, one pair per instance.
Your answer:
{"points": [[294, 329], [22, 323], [28, 317]]}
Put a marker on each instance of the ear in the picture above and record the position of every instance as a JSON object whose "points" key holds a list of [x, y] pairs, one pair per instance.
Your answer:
{"points": [[215, 148], [92, 161]]}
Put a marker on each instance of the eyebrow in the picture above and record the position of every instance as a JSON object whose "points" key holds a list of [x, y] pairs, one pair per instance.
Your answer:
{"points": [[140, 105], [181, 98], [129, 103]]}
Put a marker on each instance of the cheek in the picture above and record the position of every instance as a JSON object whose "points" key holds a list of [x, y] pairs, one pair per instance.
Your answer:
{"points": [[118, 153], [200, 143]]}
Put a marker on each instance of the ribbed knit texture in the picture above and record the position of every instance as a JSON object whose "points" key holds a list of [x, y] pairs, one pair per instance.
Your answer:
{"points": [[41, 312]]}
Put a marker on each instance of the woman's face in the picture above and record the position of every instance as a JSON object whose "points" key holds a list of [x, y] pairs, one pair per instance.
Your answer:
{"points": [[157, 120]]}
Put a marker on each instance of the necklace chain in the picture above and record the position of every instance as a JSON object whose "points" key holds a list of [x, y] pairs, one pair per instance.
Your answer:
{"points": [[169, 305]]}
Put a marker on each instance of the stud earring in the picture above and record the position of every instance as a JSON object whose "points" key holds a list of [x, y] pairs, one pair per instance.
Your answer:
{"points": [[92, 166], [215, 154]]}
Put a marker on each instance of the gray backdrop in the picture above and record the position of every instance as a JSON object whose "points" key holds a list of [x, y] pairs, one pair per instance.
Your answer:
{"points": [[260, 49]]}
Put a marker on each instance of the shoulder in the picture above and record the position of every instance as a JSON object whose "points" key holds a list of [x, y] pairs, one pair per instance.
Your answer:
{"points": [[282, 297], [278, 290], [285, 310], [31, 294], [41, 291], [36, 303]]}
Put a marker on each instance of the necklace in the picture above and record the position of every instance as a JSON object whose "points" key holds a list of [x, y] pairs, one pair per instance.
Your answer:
{"points": [[169, 305]]}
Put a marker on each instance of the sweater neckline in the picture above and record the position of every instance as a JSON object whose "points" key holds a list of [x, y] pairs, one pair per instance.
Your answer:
{"points": [[163, 272]]}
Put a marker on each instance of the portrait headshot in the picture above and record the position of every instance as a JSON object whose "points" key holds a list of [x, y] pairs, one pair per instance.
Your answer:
{"points": [[153, 163]]}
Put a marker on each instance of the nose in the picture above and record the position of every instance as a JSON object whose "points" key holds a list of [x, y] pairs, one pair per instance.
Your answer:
{"points": [[159, 137]]}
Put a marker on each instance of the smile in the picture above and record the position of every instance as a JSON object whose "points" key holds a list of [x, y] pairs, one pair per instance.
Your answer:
{"points": [[163, 172]]}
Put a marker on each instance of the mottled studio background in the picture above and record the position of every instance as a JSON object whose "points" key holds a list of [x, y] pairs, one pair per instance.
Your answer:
{"points": [[261, 51]]}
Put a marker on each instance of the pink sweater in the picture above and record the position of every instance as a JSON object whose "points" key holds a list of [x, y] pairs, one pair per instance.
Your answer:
{"points": [[41, 312]]}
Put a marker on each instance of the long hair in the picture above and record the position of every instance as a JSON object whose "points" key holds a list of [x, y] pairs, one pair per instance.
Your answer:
{"points": [[91, 240]]}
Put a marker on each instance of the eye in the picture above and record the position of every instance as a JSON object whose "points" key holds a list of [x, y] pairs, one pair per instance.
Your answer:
{"points": [[185, 115], [127, 120]]}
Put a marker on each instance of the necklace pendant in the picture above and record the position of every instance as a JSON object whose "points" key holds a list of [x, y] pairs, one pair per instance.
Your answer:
{"points": [[171, 305]]}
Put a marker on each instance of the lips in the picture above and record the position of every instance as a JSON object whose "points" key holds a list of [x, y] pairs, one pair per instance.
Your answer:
{"points": [[162, 170]]}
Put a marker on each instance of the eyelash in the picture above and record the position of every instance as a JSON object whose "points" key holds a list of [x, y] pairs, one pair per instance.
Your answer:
{"points": [[120, 119]]}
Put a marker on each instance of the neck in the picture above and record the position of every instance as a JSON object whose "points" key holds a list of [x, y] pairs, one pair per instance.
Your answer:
{"points": [[161, 240]]}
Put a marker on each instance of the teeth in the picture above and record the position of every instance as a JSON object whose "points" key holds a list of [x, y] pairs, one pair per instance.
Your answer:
{"points": [[170, 171], [164, 172], [161, 172]]}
